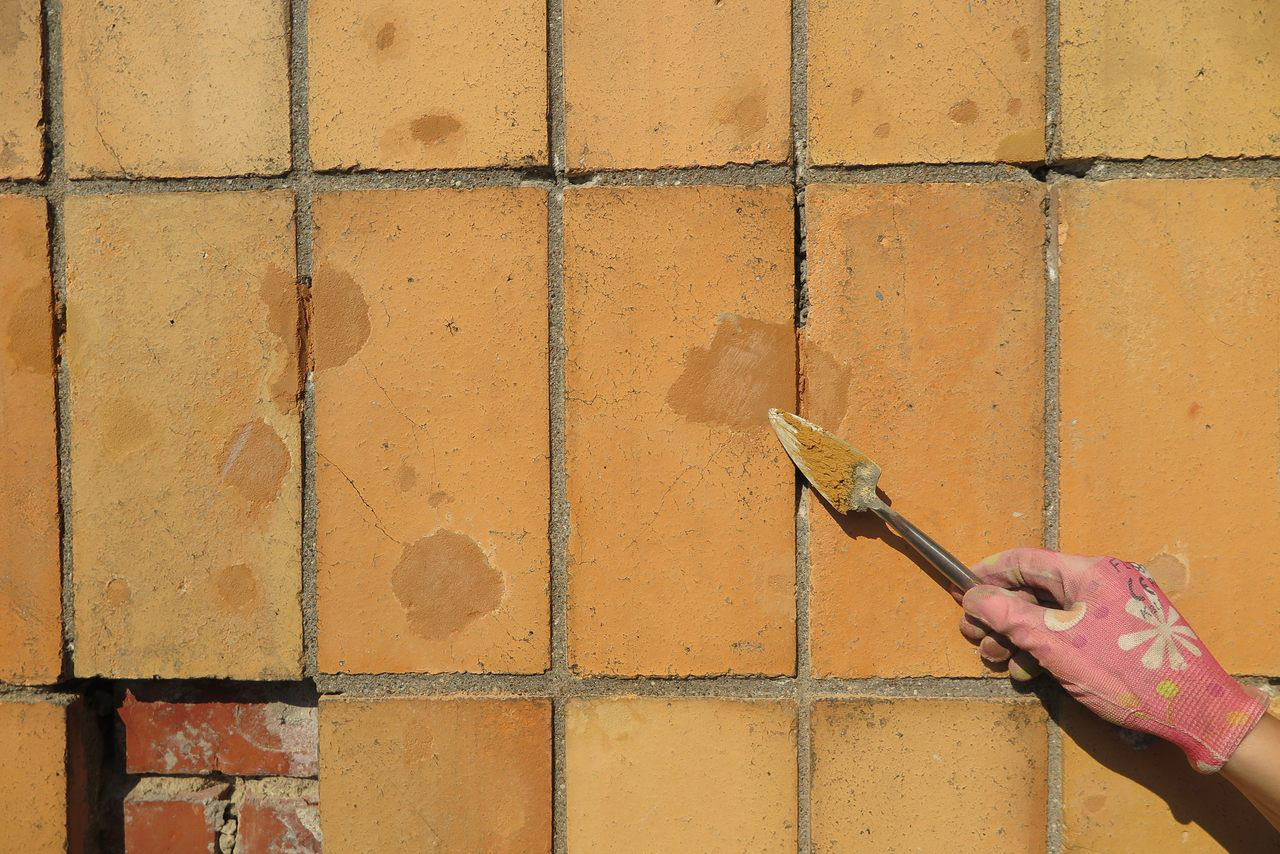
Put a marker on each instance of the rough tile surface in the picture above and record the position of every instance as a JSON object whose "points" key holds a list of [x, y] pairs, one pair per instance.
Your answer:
{"points": [[182, 346], [1127, 792], [418, 774], [924, 349], [21, 88], [409, 85], [925, 82], [30, 584], [1170, 78], [433, 478], [33, 775], [900, 775], [676, 83], [655, 774], [1169, 293], [171, 88], [679, 335]]}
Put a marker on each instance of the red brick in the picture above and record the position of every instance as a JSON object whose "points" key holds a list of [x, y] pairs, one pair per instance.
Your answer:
{"points": [[680, 336], [1170, 370], [924, 349], [432, 442], [30, 603], [166, 816], [231, 738], [21, 88], [276, 819]]}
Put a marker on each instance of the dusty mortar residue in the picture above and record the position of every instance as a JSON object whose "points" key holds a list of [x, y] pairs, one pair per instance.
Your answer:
{"points": [[445, 582], [749, 367], [1170, 572], [846, 477]]}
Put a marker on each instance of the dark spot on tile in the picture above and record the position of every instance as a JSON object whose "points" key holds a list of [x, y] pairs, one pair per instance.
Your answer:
{"points": [[340, 317], [435, 499], [1022, 43], [286, 318], [235, 587], [963, 112], [1170, 572], [746, 113], [386, 36], [855, 96], [434, 128], [407, 477], [824, 386], [1194, 409], [748, 367], [882, 130], [30, 343], [1013, 106], [118, 592], [444, 582], [254, 462]]}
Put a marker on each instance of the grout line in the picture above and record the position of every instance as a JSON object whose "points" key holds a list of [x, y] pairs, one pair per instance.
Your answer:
{"points": [[1052, 84], [1096, 169], [799, 90], [555, 88], [1053, 484], [55, 187]]}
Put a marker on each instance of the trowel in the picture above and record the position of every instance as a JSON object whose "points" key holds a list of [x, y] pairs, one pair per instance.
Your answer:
{"points": [[847, 479]]}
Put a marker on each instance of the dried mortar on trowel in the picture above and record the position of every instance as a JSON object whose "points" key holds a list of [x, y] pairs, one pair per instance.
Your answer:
{"points": [[845, 476]]}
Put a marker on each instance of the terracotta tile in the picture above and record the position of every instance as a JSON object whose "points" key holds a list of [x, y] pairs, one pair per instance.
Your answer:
{"points": [[924, 349], [676, 83], [33, 775], [1123, 791], [923, 82], [21, 90], [1169, 78], [432, 444], [417, 774], [1168, 292], [406, 85], [679, 336], [229, 738], [706, 775], [898, 775], [30, 604], [171, 88], [182, 327]]}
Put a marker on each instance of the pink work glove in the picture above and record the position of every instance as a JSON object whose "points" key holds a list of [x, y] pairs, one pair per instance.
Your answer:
{"points": [[1116, 644]]}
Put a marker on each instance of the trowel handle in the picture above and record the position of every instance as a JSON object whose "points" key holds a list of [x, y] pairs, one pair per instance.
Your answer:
{"points": [[940, 558]]}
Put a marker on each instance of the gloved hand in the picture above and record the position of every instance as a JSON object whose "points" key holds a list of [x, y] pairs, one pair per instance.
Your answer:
{"points": [[1116, 643]]}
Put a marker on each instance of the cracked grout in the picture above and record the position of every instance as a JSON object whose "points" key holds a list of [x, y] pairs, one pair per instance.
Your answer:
{"points": [[1052, 486]]}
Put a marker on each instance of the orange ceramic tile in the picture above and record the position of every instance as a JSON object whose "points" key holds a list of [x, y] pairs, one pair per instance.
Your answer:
{"points": [[925, 82], [21, 88], [1125, 791], [408, 85], [33, 775], [679, 338], [432, 774], [1169, 78], [432, 443], [900, 774], [182, 347], [692, 774], [924, 349], [676, 83], [1170, 346], [172, 88], [30, 590]]}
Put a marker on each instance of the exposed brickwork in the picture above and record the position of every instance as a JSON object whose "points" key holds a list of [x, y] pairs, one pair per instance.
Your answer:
{"points": [[675, 357], [165, 815], [230, 738], [30, 609], [276, 820]]}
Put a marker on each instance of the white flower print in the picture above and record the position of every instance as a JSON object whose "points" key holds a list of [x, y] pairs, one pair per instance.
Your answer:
{"points": [[1169, 638]]}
